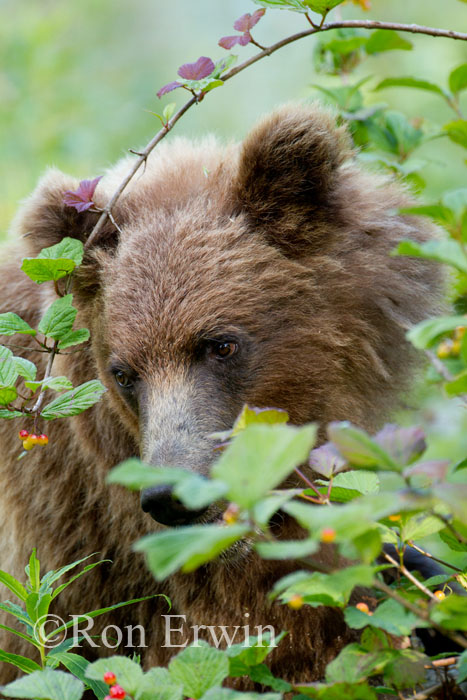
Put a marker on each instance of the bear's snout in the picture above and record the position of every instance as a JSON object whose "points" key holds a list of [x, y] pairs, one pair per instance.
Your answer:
{"points": [[165, 508]]}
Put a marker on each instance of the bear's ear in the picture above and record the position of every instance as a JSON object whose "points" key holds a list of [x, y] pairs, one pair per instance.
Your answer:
{"points": [[44, 219], [288, 170]]}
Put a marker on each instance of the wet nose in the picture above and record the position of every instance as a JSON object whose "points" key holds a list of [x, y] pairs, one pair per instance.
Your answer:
{"points": [[165, 508]]}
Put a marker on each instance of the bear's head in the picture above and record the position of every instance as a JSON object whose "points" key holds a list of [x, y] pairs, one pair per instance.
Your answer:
{"points": [[257, 274]]}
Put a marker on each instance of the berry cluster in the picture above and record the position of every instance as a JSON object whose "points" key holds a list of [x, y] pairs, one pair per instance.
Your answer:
{"points": [[116, 691], [451, 347], [31, 439]]}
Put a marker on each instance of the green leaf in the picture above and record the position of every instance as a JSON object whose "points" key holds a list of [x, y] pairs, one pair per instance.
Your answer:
{"points": [[358, 448], [13, 584], [260, 458], [322, 7], [77, 665], [266, 507], [11, 323], [8, 415], [411, 83], [262, 674], [46, 685], [458, 79], [227, 694], [199, 668], [7, 395], [196, 492], [250, 416], [85, 570], [294, 5], [451, 540], [169, 111], [25, 368], [136, 475], [355, 664], [324, 589], [59, 318], [291, 549], [420, 525], [439, 213], [74, 338], [457, 131], [128, 672], [426, 333], [462, 662], [26, 637], [451, 612], [8, 370], [74, 402], [54, 262], [33, 570], [186, 548], [21, 662], [157, 684], [337, 691], [251, 652], [445, 251], [359, 481], [458, 385], [55, 383], [389, 616], [385, 40]]}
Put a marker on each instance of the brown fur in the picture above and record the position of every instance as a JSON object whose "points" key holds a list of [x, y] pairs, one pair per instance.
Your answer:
{"points": [[283, 243]]}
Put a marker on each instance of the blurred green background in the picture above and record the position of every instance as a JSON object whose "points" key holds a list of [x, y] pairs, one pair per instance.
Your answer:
{"points": [[76, 78]]}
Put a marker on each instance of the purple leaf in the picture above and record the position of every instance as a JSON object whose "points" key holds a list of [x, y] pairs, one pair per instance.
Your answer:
{"points": [[403, 444], [435, 470], [326, 460], [247, 21], [81, 199], [228, 42], [197, 71], [168, 88]]}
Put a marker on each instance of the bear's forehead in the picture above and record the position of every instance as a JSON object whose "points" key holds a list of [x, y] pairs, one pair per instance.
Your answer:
{"points": [[179, 277]]}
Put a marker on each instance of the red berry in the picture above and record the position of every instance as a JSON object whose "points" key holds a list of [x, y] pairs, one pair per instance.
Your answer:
{"points": [[109, 676], [28, 443], [34, 438], [117, 692], [328, 534], [43, 440], [23, 434]]}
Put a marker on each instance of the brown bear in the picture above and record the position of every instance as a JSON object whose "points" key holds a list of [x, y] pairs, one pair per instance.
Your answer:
{"points": [[255, 274]]}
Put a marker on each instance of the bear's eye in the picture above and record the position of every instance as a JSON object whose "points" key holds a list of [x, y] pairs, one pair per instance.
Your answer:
{"points": [[123, 379], [222, 350]]}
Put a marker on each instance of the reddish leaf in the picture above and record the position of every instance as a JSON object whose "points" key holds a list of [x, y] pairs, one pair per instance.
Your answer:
{"points": [[228, 42], [326, 460], [81, 199], [197, 71], [168, 88], [247, 21], [435, 470]]}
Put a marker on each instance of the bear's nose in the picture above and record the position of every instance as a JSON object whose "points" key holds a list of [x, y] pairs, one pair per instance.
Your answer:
{"points": [[165, 508]]}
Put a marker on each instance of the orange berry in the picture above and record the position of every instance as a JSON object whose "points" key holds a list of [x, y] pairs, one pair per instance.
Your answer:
{"points": [[28, 444], [23, 434], [441, 595], [395, 517], [295, 602], [456, 348], [459, 332], [110, 678], [328, 534], [117, 692], [363, 607], [34, 438], [230, 516], [42, 439]]}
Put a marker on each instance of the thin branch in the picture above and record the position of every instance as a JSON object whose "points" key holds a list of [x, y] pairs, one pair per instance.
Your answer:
{"points": [[48, 371], [427, 692], [430, 556], [363, 24], [410, 576]]}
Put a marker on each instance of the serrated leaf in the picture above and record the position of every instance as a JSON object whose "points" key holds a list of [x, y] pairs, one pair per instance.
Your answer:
{"points": [[157, 684], [411, 83], [251, 415], [446, 251], [8, 369], [260, 458], [73, 338], [458, 79], [385, 40], [324, 589], [59, 318], [53, 685], [13, 584], [9, 415], [355, 664], [322, 7], [294, 5], [46, 270], [25, 368], [74, 402], [186, 548], [363, 482], [199, 668], [11, 323], [426, 333], [55, 383], [7, 395], [77, 665]]}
